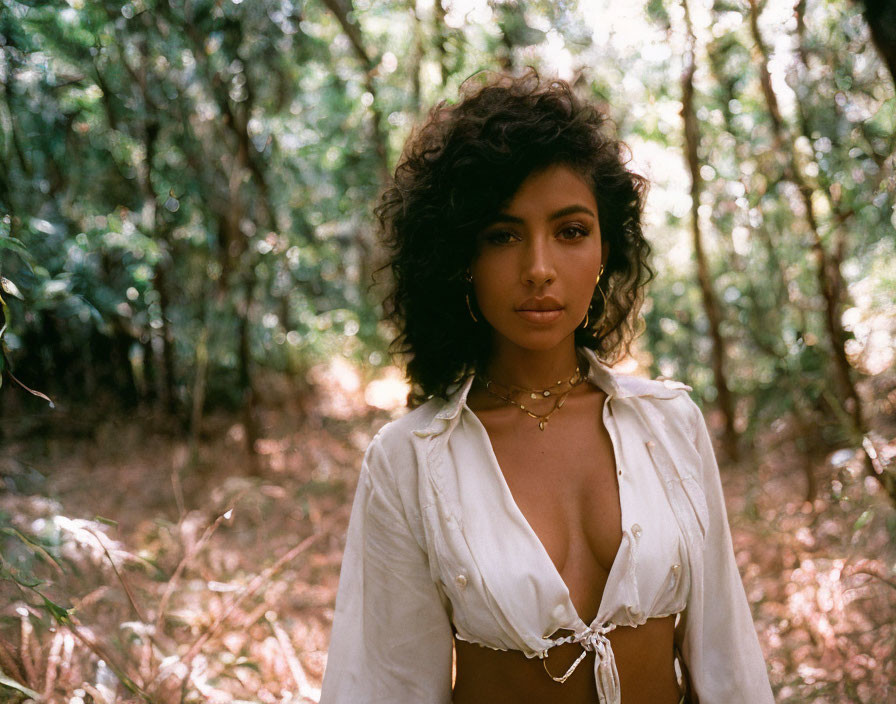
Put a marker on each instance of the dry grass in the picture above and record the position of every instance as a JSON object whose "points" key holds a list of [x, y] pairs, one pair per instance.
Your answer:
{"points": [[184, 581]]}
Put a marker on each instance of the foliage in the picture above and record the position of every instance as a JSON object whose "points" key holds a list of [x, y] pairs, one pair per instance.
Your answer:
{"points": [[197, 179]]}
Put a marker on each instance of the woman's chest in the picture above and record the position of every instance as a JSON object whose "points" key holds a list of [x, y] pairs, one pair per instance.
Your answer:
{"points": [[563, 482]]}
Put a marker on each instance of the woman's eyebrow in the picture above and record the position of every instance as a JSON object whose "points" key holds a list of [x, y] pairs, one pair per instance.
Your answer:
{"points": [[568, 210]]}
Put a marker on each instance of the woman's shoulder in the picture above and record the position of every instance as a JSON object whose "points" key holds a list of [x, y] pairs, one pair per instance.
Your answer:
{"points": [[395, 438], [391, 462], [667, 397], [659, 391], [661, 387]]}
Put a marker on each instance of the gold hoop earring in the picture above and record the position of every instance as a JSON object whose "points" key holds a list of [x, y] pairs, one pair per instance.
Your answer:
{"points": [[470, 309], [597, 283], [602, 295], [469, 278]]}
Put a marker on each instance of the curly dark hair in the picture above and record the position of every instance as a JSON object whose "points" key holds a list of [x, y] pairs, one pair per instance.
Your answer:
{"points": [[456, 172]]}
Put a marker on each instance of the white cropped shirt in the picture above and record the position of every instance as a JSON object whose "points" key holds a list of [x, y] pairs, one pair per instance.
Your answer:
{"points": [[435, 539]]}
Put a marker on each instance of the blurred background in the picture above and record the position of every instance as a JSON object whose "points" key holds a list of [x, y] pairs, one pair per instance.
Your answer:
{"points": [[192, 359]]}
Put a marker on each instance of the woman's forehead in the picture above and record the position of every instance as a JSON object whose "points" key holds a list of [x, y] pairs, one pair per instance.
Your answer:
{"points": [[550, 191]]}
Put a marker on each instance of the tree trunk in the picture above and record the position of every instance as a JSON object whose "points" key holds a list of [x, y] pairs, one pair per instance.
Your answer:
{"points": [[710, 301], [881, 18], [505, 11], [827, 267], [439, 41], [153, 225], [416, 59], [344, 12], [246, 380], [199, 384], [160, 284]]}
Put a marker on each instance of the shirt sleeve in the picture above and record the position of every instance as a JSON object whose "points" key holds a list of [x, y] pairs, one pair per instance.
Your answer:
{"points": [[727, 667], [391, 640]]}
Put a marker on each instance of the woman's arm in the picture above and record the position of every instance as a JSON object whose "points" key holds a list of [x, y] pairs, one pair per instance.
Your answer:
{"points": [[729, 667], [391, 639]]}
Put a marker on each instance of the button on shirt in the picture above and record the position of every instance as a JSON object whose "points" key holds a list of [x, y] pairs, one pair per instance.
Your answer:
{"points": [[436, 540]]}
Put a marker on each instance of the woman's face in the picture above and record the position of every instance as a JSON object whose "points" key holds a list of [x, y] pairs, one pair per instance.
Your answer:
{"points": [[535, 266]]}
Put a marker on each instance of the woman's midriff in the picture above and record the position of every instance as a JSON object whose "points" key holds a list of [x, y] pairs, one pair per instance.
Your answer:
{"points": [[644, 660]]}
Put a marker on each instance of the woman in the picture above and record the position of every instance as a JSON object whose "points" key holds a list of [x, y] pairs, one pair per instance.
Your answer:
{"points": [[556, 527]]}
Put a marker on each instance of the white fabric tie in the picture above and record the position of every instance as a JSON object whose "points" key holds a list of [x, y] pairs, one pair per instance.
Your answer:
{"points": [[606, 676]]}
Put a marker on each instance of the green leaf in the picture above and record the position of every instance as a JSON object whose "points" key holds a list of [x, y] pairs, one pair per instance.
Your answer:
{"points": [[10, 573], [11, 683], [14, 245], [60, 613], [31, 544], [864, 519]]}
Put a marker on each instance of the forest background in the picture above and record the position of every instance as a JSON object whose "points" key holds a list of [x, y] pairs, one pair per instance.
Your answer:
{"points": [[186, 251]]}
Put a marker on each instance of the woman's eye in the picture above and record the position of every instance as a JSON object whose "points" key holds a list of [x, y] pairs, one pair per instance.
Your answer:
{"points": [[499, 237], [573, 232]]}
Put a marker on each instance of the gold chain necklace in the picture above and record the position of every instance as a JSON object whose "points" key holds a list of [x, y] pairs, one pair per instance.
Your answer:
{"points": [[560, 397]]}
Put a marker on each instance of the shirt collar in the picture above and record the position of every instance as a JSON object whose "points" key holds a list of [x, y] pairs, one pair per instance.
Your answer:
{"points": [[599, 374]]}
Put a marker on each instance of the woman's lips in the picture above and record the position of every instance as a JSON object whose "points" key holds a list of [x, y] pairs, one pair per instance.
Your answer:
{"points": [[540, 316], [540, 309]]}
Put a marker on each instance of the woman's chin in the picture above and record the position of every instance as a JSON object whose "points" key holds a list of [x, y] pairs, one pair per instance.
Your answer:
{"points": [[535, 340]]}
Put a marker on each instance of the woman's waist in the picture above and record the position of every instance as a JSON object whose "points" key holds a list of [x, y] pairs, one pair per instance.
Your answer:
{"points": [[644, 659]]}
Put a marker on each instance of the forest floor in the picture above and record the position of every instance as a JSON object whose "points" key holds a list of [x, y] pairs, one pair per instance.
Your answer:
{"points": [[178, 576]]}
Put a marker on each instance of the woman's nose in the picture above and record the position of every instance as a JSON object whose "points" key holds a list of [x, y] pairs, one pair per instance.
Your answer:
{"points": [[538, 267]]}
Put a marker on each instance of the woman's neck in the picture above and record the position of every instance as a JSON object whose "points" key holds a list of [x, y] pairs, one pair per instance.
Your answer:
{"points": [[532, 369]]}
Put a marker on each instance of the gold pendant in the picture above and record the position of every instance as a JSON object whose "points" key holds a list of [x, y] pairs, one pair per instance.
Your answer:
{"points": [[541, 425]]}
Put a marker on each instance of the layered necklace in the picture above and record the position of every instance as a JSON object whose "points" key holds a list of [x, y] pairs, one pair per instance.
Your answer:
{"points": [[559, 392]]}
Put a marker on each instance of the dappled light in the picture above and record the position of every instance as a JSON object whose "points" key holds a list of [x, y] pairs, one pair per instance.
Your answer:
{"points": [[195, 348]]}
